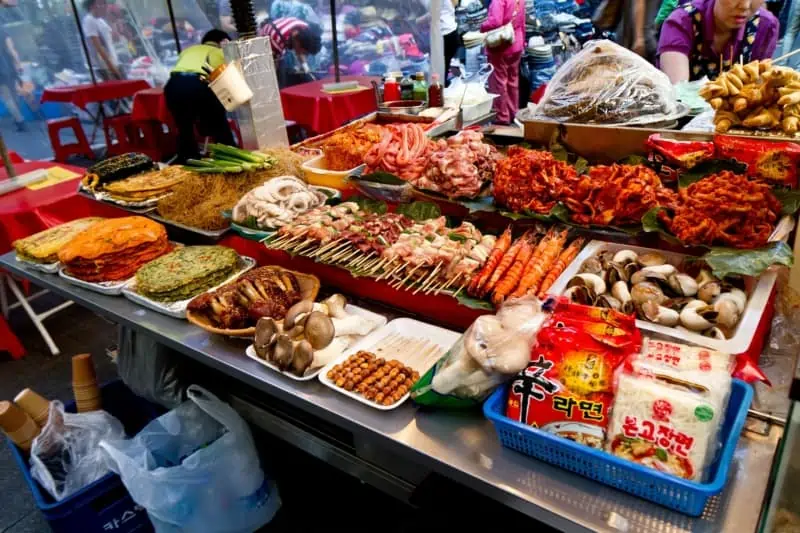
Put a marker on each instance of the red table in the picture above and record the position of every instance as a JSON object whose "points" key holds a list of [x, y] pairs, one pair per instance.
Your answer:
{"points": [[307, 105], [150, 105], [82, 95]]}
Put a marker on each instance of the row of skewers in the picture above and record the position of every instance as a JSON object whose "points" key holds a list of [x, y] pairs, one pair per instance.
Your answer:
{"points": [[528, 265], [426, 257]]}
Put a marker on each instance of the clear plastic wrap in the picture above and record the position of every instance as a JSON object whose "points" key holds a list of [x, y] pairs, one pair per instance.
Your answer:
{"points": [[66, 455], [492, 350], [669, 406], [607, 84]]}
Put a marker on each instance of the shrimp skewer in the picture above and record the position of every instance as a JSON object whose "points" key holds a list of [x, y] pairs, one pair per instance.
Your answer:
{"points": [[560, 265], [531, 280], [505, 264], [514, 274], [500, 247], [526, 269]]}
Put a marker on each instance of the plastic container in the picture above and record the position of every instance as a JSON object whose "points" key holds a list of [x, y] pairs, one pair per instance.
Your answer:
{"points": [[396, 194], [317, 174], [756, 310], [685, 496], [476, 111], [231, 88], [104, 505]]}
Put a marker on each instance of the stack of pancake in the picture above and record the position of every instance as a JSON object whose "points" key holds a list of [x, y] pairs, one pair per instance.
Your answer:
{"points": [[115, 249], [43, 247], [186, 272], [150, 185]]}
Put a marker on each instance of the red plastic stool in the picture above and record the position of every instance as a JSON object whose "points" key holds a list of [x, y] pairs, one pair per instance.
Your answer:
{"points": [[237, 133], [117, 131], [62, 152], [14, 157]]}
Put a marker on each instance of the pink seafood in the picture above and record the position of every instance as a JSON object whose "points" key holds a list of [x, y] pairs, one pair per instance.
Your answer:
{"points": [[404, 150]]}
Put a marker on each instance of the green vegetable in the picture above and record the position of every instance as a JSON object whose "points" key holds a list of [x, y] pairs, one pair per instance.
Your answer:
{"points": [[243, 155], [633, 160], [789, 199], [419, 211], [430, 238], [558, 150], [369, 205], [661, 454], [473, 303], [581, 165], [726, 261], [457, 237], [384, 178]]}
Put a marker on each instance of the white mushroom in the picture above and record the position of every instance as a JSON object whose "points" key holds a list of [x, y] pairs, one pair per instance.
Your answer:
{"points": [[336, 305]]}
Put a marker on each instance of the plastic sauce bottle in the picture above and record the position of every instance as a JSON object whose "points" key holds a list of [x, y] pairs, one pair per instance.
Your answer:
{"points": [[420, 87], [406, 87], [391, 91], [435, 92]]}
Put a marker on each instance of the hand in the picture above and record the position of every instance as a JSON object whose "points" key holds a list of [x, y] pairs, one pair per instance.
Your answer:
{"points": [[640, 47]]}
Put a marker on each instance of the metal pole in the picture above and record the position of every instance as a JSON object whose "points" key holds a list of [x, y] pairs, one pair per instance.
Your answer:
{"points": [[83, 40], [335, 41], [174, 27]]}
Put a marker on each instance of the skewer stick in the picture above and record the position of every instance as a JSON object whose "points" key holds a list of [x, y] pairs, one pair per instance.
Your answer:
{"points": [[377, 266], [326, 247], [348, 257], [403, 281], [446, 285], [430, 278], [334, 258], [361, 260], [298, 236], [332, 252], [387, 272], [460, 289], [433, 287], [367, 266], [304, 244], [786, 56]]}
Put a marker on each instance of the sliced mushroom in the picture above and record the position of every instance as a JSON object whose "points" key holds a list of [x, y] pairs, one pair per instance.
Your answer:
{"points": [[295, 312], [336, 305], [319, 330]]}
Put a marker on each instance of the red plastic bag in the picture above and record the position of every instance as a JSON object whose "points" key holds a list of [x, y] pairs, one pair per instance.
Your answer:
{"points": [[773, 162]]}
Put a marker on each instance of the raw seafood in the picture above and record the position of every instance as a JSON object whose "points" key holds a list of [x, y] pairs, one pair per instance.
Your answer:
{"points": [[459, 166], [404, 150], [276, 203], [186, 272], [43, 247], [724, 209], [114, 249]]}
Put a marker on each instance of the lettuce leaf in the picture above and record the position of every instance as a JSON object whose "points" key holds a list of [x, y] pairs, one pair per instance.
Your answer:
{"points": [[369, 205], [789, 199], [726, 261], [473, 303], [419, 211], [385, 178]]}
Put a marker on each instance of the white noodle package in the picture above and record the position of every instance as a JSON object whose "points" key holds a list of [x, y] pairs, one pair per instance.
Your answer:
{"points": [[607, 84]]}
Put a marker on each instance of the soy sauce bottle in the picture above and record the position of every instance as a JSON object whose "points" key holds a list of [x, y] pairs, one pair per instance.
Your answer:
{"points": [[435, 92]]}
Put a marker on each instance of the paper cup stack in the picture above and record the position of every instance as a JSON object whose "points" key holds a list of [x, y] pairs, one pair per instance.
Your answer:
{"points": [[84, 384], [19, 427], [37, 407]]}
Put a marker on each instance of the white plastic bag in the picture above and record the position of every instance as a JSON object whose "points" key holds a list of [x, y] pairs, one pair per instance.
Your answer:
{"points": [[66, 456], [607, 84], [196, 470]]}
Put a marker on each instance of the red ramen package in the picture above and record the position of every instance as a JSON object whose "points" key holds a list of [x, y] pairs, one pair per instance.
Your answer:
{"points": [[679, 155], [774, 162], [669, 405], [566, 388]]}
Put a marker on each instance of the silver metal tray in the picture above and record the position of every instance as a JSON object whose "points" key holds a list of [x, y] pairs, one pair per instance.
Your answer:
{"points": [[48, 268], [109, 288], [178, 309]]}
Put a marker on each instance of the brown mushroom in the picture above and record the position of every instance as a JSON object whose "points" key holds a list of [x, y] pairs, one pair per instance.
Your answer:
{"points": [[283, 352], [266, 332], [296, 312], [319, 330], [303, 355]]}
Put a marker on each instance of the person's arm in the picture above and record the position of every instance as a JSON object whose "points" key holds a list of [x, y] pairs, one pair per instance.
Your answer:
{"points": [[496, 16], [675, 65], [103, 54], [639, 15], [13, 51], [770, 39], [792, 26], [226, 24]]}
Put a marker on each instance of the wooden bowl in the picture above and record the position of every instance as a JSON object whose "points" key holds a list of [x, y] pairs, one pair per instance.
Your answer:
{"points": [[309, 288]]}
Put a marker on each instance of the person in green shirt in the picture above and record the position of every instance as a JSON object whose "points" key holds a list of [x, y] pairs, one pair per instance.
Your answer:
{"points": [[667, 7], [191, 101]]}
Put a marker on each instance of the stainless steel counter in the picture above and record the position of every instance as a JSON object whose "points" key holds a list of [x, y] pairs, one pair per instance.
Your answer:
{"points": [[462, 447]]}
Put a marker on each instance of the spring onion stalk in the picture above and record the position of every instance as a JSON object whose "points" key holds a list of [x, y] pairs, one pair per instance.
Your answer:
{"points": [[245, 155]]}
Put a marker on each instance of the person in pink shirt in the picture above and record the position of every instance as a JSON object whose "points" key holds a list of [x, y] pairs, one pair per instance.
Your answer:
{"points": [[505, 79]]}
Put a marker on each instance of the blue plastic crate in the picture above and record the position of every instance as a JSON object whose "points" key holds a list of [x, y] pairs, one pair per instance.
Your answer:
{"points": [[104, 505], [688, 497]]}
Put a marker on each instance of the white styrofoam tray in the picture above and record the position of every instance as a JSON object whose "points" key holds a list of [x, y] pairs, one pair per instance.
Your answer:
{"points": [[406, 327], [178, 309], [380, 321], [109, 288], [47, 268], [758, 292]]}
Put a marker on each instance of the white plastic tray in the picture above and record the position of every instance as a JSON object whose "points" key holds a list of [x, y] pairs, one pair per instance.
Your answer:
{"points": [[406, 327], [47, 268], [109, 288], [352, 309], [178, 309], [758, 292]]}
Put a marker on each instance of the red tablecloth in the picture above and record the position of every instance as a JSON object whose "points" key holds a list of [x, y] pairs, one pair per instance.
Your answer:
{"points": [[81, 95], [320, 112], [150, 104]]}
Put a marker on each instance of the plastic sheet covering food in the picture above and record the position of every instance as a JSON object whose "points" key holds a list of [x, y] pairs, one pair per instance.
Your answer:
{"points": [[605, 83]]}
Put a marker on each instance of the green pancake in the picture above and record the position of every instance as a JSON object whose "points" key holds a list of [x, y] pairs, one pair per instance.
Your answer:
{"points": [[186, 272]]}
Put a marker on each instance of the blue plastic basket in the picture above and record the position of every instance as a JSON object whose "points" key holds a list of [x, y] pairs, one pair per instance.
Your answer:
{"points": [[104, 505], [688, 497]]}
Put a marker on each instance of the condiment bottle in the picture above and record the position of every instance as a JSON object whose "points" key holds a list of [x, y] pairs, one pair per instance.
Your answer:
{"points": [[420, 88], [435, 92], [406, 87], [391, 91]]}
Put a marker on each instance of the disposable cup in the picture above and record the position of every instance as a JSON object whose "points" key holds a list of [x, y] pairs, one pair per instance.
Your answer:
{"points": [[37, 407], [83, 369], [19, 427]]}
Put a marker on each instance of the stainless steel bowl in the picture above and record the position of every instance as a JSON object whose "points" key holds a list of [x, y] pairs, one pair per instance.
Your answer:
{"points": [[402, 107]]}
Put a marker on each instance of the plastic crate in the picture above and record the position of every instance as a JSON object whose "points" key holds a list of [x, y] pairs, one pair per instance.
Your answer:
{"points": [[104, 505], [688, 497]]}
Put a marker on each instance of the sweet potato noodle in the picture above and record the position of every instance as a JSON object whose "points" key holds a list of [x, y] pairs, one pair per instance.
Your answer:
{"points": [[724, 209], [199, 200]]}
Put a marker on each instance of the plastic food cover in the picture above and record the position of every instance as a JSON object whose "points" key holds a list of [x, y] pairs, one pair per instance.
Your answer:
{"points": [[607, 84]]}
